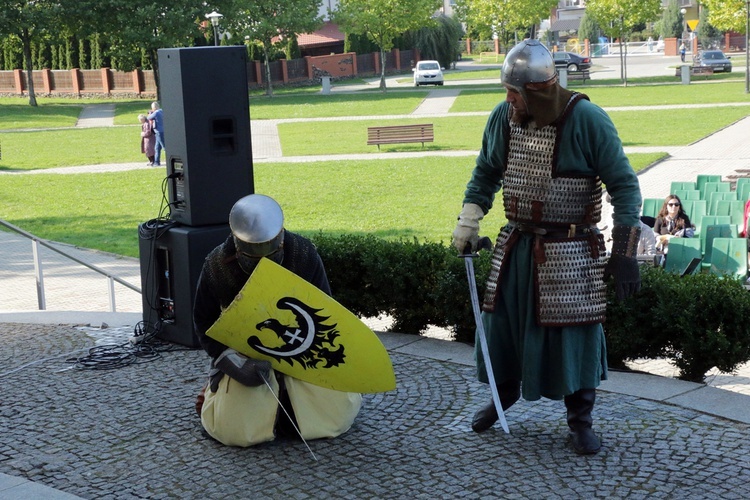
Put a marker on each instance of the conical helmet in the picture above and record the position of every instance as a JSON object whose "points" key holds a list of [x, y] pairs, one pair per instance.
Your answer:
{"points": [[528, 62], [257, 224]]}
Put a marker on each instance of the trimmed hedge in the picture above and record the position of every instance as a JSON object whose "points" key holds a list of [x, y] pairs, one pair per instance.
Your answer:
{"points": [[698, 321]]}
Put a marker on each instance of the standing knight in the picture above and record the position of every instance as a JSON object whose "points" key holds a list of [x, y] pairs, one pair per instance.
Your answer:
{"points": [[550, 150]]}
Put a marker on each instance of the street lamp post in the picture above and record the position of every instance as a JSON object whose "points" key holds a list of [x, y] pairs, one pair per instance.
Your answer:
{"points": [[214, 17], [683, 11]]}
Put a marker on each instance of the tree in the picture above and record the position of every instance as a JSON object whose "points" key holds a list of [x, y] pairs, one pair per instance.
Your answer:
{"points": [[707, 33], [618, 18], [498, 18], [727, 15], [29, 20], [438, 42], [673, 22], [133, 27], [384, 20], [589, 29], [273, 22]]}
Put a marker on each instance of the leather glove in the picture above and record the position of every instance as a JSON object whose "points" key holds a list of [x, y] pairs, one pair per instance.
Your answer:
{"points": [[622, 264], [467, 229], [246, 371]]}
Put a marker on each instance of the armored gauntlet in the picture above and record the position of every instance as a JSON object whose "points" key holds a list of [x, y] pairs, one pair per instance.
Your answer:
{"points": [[622, 264]]}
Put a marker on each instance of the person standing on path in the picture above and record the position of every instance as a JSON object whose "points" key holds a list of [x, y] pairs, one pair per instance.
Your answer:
{"points": [[550, 149], [157, 117], [147, 139]]}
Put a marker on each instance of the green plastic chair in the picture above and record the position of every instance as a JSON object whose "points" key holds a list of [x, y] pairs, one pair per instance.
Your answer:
{"points": [[695, 209], [687, 194], [743, 191], [681, 252], [651, 206], [711, 220], [713, 231], [712, 187], [735, 209], [741, 181], [717, 196], [728, 257], [702, 179], [682, 186]]}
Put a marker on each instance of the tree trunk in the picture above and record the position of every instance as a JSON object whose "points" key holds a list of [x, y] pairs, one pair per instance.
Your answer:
{"points": [[26, 41], [382, 69], [267, 65]]}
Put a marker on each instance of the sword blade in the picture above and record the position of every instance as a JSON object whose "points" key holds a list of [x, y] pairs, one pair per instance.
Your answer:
{"points": [[483, 340]]}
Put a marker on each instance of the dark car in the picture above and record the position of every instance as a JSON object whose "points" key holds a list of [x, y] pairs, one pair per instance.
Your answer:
{"points": [[571, 61], [714, 59]]}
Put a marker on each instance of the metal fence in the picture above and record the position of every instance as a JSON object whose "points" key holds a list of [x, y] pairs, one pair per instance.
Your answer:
{"points": [[39, 274]]}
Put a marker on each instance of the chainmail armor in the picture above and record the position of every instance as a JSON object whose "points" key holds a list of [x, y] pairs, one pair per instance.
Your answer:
{"points": [[571, 288]]}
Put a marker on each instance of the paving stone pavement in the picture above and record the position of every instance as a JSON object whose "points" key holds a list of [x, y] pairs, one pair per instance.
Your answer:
{"points": [[132, 432]]}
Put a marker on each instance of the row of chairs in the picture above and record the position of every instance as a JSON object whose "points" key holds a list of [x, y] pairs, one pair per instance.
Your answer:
{"points": [[718, 212], [724, 255]]}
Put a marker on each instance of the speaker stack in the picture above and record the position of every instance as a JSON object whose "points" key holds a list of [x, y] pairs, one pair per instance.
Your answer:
{"points": [[204, 97]]}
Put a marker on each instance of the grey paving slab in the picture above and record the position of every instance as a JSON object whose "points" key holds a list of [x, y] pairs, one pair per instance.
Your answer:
{"points": [[454, 352], [16, 488], [715, 401], [97, 115]]}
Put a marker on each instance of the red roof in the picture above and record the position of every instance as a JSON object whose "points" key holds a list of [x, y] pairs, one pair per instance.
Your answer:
{"points": [[326, 35]]}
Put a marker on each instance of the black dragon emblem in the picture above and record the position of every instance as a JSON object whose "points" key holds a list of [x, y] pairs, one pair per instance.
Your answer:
{"points": [[310, 343]]}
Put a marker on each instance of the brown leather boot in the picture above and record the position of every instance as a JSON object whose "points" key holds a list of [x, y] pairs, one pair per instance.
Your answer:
{"points": [[200, 400], [509, 392], [579, 406]]}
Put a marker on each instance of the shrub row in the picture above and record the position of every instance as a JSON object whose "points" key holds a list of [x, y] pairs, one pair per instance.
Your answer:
{"points": [[698, 322]]}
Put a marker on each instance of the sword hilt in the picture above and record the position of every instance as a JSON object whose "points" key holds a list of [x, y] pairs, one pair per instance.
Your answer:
{"points": [[484, 243]]}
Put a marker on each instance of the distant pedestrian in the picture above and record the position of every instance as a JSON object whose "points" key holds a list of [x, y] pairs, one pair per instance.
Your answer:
{"points": [[682, 51], [148, 139], [157, 117], [650, 43]]}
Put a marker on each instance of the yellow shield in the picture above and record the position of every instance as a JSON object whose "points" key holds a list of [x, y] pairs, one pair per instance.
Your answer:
{"points": [[304, 333]]}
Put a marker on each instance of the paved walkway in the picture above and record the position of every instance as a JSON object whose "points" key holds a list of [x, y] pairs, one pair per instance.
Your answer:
{"points": [[131, 433]]}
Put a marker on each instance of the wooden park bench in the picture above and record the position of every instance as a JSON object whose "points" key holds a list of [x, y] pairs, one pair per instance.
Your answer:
{"points": [[695, 70], [400, 134], [579, 75]]}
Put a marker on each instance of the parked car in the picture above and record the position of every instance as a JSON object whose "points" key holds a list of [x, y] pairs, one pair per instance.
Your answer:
{"points": [[571, 61], [428, 73], [714, 59]]}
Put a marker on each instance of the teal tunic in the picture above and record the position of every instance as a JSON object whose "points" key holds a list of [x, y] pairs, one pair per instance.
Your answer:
{"points": [[551, 362]]}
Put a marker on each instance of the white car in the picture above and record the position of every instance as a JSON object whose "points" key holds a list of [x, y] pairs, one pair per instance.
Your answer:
{"points": [[428, 73]]}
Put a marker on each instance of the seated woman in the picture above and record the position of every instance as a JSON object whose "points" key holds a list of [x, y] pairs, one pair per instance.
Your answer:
{"points": [[672, 222]]}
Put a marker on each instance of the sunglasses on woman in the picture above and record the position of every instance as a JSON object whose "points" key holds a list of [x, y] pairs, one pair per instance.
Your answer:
{"points": [[673, 204]]}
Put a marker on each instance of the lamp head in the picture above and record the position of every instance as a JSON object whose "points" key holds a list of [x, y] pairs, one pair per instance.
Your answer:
{"points": [[214, 17]]}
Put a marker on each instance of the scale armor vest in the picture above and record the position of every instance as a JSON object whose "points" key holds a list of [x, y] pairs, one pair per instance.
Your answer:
{"points": [[568, 271], [533, 193]]}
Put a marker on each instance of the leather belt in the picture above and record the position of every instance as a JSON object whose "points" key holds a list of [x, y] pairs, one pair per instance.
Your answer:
{"points": [[553, 232]]}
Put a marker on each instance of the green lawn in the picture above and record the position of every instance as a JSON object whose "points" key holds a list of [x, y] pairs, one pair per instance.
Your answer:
{"points": [[636, 128], [398, 198], [393, 198], [606, 97]]}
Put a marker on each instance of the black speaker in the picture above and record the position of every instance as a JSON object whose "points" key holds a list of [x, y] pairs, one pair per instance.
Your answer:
{"points": [[204, 95], [171, 258]]}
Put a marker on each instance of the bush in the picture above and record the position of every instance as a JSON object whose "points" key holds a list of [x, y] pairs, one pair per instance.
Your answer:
{"points": [[698, 322], [418, 284]]}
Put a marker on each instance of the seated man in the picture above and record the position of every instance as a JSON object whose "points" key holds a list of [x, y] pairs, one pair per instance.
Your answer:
{"points": [[237, 407]]}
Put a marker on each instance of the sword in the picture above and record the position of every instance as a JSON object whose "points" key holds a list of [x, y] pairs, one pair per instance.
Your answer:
{"points": [[468, 256]]}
